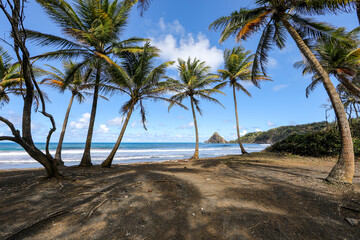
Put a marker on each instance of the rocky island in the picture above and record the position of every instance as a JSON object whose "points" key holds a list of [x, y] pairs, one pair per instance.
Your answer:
{"points": [[216, 138]]}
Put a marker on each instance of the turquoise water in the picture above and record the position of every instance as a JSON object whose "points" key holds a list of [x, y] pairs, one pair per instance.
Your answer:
{"points": [[12, 155]]}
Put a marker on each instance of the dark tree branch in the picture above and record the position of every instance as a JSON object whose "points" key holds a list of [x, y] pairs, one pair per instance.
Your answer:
{"points": [[15, 132]]}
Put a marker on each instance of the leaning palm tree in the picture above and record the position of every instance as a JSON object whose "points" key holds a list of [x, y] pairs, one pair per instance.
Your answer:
{"points": [[194, 83], [278, 18], [78, 84], [138, 78], [92, 30], [238, 64]]}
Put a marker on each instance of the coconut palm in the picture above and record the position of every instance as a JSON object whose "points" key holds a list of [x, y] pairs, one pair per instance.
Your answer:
{"points": [[351, 102], [78, 84], [339, 60], [238, 64], [92, 30], [278, 18], [194, 83], [9, 77], [138, 78], [11, 81]]}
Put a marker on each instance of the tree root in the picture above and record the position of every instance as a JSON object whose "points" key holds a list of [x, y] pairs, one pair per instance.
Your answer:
{"points": [[44, 219]]}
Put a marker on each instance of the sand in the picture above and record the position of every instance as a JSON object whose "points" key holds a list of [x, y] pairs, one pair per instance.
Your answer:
{"points": [[257, 196]]}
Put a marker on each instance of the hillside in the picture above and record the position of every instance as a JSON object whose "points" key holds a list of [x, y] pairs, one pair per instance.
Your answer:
{"points": [[280, 133]]}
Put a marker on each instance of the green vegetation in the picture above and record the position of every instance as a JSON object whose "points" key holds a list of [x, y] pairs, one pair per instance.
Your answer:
{"points": [[315, 144], [280, 133]]}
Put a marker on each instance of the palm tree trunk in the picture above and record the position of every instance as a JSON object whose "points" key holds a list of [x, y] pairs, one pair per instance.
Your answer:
{"points": [[86, 158], [107, 163], [343, 171], [196, 153], [243, 151], [58, 159]]}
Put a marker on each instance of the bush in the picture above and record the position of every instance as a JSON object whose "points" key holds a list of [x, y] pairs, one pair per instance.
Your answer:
{"points": [[317, 144]]}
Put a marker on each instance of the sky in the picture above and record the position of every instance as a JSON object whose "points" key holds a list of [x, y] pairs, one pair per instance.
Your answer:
{"points": [[180, 30]]}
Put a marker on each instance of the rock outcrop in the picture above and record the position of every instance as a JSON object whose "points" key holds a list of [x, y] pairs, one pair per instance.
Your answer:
{"points": [[216, 138]]}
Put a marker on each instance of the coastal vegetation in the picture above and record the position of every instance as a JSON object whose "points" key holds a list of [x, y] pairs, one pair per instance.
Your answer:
{"points": [[99, 59]]}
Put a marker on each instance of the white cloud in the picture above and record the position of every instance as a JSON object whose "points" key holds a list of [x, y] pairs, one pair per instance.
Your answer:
{"points": [[243, 132], [270, 124], [82, 122], [118, 121], [103, 128], [174, 43], [280, 87], [174, 27], [258, 130], [272, 63], [187, 126]]}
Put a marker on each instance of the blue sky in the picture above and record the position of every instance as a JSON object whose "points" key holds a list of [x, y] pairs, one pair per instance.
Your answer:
{"points": [[180, 29]]}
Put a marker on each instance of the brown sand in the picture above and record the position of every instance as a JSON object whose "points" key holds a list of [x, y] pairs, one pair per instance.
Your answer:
{"points": [[257, 196]]}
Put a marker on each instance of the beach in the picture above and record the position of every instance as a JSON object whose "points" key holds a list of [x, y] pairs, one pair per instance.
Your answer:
{"points": [[254, 196]]}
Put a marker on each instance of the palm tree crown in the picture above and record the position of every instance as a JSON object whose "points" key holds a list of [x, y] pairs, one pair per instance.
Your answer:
{"points": [[339, 60]]}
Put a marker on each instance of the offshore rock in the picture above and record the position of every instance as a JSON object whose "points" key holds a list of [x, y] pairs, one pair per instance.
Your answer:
{"points": [[216, 138]]}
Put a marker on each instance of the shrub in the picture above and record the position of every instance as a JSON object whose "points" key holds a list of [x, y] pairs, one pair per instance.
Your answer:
{"points": [[316, 144]]}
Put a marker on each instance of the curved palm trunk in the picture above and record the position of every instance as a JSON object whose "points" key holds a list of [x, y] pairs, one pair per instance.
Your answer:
{"points": [[58, 159], [86, 158], [196, 153], [243, 151], [107, 163], [343, 171]]}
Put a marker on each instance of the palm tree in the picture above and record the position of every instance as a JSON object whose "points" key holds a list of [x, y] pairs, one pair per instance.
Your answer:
{"points": [[339, 60], [238, 64], [92, 29], [78, 83], [9, 77], [276, 18], [138, 78], [11, 81], [194, 82]]}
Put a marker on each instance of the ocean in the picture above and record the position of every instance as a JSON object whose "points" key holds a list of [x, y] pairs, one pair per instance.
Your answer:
{"points": [[13, 156]]}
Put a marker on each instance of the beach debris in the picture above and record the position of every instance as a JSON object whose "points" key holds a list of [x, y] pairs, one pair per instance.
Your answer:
{"points": [[96, 207], [202, 209], [126, 196], [193, 214], [352, 221], [208, 179], [150, 190]]}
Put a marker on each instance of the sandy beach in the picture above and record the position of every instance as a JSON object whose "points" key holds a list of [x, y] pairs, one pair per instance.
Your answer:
{"points": [[258, 196]]}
